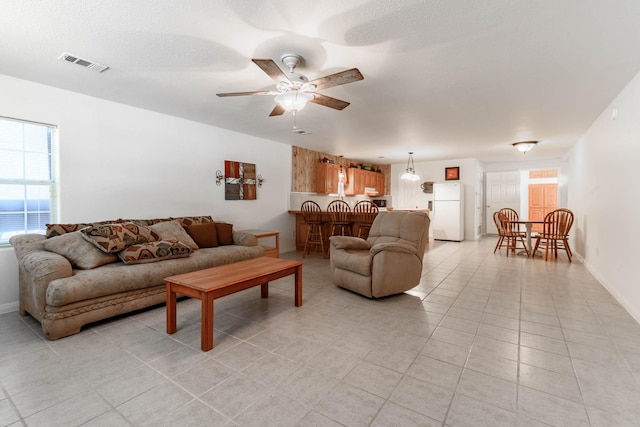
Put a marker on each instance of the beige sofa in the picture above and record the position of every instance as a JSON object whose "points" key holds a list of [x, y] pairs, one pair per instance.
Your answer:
{"points": [[64, 298], [388, 262]]}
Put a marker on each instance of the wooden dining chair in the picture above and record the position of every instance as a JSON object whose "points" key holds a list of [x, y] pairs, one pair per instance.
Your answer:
{"points": [[312, 215], [340, 214], [508, 233], [364, 212], [555, 233]]}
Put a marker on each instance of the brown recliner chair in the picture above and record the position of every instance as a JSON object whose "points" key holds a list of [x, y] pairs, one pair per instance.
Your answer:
{"points": [[388, 262]]}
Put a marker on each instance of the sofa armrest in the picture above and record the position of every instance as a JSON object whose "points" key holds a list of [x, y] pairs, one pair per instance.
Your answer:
{"points": [[37, 270], [393, 247], [348, 242], [242, 238]]}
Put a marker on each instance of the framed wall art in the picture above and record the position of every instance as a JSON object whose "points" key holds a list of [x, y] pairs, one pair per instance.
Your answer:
{"points": [[239, 180], [452, 174]]}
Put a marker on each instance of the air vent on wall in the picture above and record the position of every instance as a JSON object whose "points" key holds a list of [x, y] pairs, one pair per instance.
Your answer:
{"points": [[83, 62]]}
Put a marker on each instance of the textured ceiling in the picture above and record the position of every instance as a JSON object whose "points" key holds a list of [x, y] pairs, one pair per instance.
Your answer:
{"points": [[445, 79]]}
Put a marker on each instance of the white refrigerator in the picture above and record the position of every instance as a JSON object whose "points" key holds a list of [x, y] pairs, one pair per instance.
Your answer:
{"points": [[448, 212]]}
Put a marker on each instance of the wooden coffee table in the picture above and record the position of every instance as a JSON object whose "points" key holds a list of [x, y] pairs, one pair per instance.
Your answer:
{"points": [[216, 282]]}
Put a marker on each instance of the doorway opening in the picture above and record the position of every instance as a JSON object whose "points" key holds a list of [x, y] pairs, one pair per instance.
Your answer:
{"points": [[532, 193]]}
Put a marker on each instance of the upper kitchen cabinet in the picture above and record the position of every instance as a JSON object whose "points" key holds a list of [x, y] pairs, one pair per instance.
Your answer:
{"points": [[327, 178], [360, 180]]}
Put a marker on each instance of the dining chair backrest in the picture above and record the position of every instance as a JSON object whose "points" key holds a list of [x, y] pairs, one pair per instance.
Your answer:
{"points": [[500, 220], [511, 214], [339, 211], [557, 223], [364, 212], [311, 212]]}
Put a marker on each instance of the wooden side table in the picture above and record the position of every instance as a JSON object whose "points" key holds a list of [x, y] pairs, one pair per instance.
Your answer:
{"points": [[272, 251]]}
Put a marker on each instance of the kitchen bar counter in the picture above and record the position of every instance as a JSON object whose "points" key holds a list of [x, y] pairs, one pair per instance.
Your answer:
{"points": [[302, 228]]}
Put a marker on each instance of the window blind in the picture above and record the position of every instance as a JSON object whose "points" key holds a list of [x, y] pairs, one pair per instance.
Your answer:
{"points": [[27, 184]]}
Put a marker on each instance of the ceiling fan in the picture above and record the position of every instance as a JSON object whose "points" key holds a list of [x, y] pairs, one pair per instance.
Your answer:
{"points": [[293, 90]]}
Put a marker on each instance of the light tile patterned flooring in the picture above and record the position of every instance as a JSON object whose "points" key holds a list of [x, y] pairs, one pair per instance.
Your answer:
{"points": [[483, 340]]}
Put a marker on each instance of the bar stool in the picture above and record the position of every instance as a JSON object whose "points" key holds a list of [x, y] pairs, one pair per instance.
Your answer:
{"points": [[340, 214], [312, 215], [364, 213]]}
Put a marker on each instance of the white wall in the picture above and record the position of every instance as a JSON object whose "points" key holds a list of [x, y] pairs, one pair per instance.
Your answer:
{"points": [[604, 195], [526, 165], [118, 161], [408, 195]]}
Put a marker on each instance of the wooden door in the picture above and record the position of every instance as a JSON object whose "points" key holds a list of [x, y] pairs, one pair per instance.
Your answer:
{"points": [[502, 191], [543, 198]]}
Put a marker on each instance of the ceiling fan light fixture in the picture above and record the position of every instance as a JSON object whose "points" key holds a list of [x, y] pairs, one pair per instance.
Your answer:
{"points": [[410, 173], [293, 100], [524, 146]]}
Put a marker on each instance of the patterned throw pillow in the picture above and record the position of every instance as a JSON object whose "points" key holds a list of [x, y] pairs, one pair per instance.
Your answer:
{"points": [[112, 238], [190, 220], [154, 251], [54, 230]]}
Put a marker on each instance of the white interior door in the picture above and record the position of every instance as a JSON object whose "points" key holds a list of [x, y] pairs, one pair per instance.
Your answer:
{"points": [[503, 191]]}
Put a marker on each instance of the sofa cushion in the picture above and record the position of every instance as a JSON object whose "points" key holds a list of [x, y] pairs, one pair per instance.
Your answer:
{"points": [[118, 277], [204, 235], [79, 252], [154, 251], [225, 233], [112, 238], [172, 230]]}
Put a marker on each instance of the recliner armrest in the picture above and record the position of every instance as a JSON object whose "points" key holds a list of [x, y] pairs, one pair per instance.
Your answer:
{"points": [[348, 242], [393, 247]]}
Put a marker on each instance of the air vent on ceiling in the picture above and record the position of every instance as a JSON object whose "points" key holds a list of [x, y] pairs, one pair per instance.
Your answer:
{"points": [[83, 62]]}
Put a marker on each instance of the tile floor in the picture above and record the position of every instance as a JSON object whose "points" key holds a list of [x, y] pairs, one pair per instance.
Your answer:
{"points": [[484, 340]]}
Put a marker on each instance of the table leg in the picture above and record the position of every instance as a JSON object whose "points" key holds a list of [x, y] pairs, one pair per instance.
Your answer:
{"points": [[528, 226], [171, 310], [206, 332], [298, 291], [264, 290]]}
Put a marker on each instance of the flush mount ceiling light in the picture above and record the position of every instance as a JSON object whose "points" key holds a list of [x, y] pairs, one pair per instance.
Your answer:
{"points": [[524, 146], [410, 172]]}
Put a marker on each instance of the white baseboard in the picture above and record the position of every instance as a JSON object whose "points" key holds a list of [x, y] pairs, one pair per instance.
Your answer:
{"points": [[633, 310], [9, 307]]}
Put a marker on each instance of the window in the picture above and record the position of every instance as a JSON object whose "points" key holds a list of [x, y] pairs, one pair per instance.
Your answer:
{"points": [[27, 185]]}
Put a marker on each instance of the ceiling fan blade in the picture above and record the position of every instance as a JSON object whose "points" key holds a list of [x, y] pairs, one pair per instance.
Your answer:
{"points": [[259, 92], [327, 101], [277, 111], [337, 79], [272, 69]]}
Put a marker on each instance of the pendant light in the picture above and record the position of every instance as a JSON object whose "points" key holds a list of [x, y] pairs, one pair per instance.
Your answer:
{"points": [[410, 172]]}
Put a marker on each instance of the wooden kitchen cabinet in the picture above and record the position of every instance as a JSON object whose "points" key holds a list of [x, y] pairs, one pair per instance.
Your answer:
{"points": [[327, 178], [380, 184], [359, 179], [355, 182]]}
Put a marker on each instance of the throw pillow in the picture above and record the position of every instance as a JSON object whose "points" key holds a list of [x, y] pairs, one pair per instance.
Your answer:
{"points": [[154, 251], [172, 230], [191, 220], [60, 229], [80, 253], [203, 234], [225, 233], [112, 238]]}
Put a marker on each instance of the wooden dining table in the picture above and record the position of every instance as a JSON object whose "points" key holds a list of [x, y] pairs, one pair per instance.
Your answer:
{"points": [[528, 226]]}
